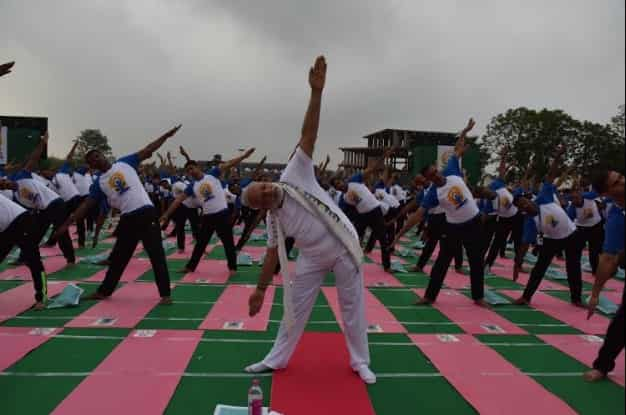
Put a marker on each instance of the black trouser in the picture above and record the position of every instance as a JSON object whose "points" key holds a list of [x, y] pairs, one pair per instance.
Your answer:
{"points": [[249, 218], [613, 342], [401, 220], [289, 243], [468, 235], [180, 217], [21, 232], [219, 223], [435, 229], [376, 222], [593, 235], [390, 231], [55, 214], [490, 226], [547, 252], [92, 215], [505, 226], [72, 205], [134, 227]]}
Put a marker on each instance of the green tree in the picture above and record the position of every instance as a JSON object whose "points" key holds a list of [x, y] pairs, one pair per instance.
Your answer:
{"points": [[617, 122], [596, 145], [529, 137], [92, 140]]}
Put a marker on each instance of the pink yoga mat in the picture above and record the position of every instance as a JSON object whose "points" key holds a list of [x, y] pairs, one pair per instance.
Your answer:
{"points": [[453, 279], [375, 276], [141, 374], [486, 380], [613, 296], [379, 319], [18, 273], [573, 316], [135, 269], [20, 299], [585, 350], [612, 284], [471, 318], [125, 308], [17, 342], [209, 272], [230, 312], [50, 251]]}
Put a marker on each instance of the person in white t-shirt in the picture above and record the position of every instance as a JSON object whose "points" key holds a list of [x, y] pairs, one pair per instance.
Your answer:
{"points": [[17, 228], [549, 227], [119, 185], [322, 248], [510, 220], [464, 227], [188, 211], [83, 181], [49, 208], [370, 209], [208, 189], [585, 212]]}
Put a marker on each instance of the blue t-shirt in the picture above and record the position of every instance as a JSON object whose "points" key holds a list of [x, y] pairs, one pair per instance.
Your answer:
{"points": [[66, 168], [614, 231], [497, 184], [454, 167], [357, 178]]}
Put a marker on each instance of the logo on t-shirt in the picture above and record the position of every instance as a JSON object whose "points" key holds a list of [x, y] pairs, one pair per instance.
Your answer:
{"points": [[27, 194], [505, 202], [587, 213], [117, 182], [206, 191], [455, 196], [551, 220], [353, 198]]}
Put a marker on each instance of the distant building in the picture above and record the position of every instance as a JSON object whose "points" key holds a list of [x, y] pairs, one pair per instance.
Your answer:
{"points": [[415, 149]]}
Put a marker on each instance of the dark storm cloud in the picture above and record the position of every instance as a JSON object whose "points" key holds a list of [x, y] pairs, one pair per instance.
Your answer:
{"points": [[234, 72]]}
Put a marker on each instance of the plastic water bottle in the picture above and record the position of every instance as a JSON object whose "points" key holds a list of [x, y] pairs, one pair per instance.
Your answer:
{"points": [[255, 398]]}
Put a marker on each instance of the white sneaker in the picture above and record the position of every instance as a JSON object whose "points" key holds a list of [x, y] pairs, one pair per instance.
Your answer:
{"points": [[258, 368], [367, 375]]}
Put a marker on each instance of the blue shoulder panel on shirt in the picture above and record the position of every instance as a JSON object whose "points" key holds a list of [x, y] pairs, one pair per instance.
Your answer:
{"points": [[497, 184], [453, 167], [546, 195], [530, 230], [430, 199], [21, 175], [132, 160], [614, 231], [357, 178], [66, 168]]}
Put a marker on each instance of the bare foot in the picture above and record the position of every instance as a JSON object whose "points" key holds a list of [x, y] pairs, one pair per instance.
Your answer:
{"points": [[521, 301], [39, 306], [482, 303], [166, 301], [417, 269], [578, 304], [594, 376], [232, 273], [185, 271], [424, 301], [388, 270]]}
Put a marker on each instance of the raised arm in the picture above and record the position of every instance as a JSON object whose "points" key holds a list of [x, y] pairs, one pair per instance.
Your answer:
{"points": [[310, 127], [184, 153], [460, 146], [554, 169], [70, 155], [36, 155], [258, 168], [5, 68], [378, 165], [149, 150], [413, 220], [234, 162], [324, 165]]}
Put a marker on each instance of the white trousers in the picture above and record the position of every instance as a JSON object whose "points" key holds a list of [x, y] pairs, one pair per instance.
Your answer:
{"points": [[309, 277]]}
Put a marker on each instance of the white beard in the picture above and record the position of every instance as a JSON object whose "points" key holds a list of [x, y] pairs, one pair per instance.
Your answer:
{"points": [[280, 194]]}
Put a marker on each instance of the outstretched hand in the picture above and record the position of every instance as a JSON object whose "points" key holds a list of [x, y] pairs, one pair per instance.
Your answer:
{"points": [[6, 68], [594, 300], [255, 302], [470, 126], [317, 74], [173, 131]]}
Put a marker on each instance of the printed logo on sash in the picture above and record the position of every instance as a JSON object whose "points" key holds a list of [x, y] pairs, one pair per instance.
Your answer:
{"points": [[117, 182], [205, 191], [455, 196]]}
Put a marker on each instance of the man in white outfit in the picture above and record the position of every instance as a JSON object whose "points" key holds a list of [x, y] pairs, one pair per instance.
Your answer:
{"points": [[299, 208]]}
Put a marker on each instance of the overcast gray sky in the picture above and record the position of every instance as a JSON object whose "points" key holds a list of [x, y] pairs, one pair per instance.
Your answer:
{"points": [[234, 72]]}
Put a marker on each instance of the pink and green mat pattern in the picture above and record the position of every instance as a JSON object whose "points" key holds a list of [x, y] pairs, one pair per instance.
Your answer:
{"points": [[130, 355]]}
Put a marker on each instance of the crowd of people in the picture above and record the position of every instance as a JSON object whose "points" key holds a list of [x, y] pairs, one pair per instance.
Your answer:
{"points": [[332, 219]]}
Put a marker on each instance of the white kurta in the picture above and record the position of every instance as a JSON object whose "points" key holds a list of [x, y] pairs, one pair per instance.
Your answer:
{"points": [[318, 256]]}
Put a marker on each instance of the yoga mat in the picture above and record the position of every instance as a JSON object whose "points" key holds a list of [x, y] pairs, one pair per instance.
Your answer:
{"points": [[490, 383], [135, 269], [377, 256], [575, 317], [209, 272], [230, 312], [453, 279], [140, 374], [612, 284], [614, 296], [545, 285], [375, 276], [125, 308], [319, 380], [585, 350], [255, 252], [471, 318], [379, 319], [17, 342], [18, 273], [50, 251], [19, 299]]}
